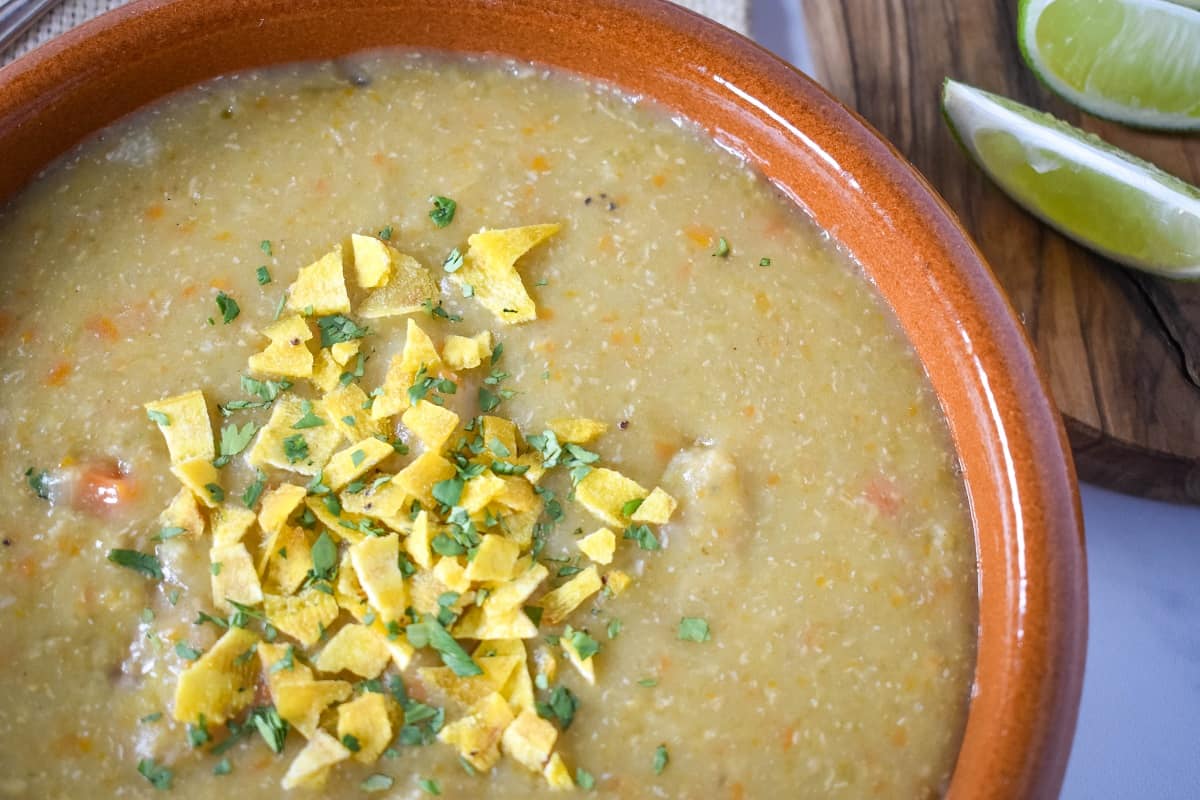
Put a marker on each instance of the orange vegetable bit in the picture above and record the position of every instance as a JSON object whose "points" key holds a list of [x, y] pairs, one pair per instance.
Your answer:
{"points": [[103, 488], [59, 373]]}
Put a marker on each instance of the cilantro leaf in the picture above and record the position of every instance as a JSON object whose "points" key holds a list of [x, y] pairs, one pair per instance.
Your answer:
{"points": [[160, 777], [443, 210], [39, 482], [694, 629], [234, 441], [339, 328], [661, 756], [137, 561], [308, 418], [295, 448], [229, 307], [430, 633]]}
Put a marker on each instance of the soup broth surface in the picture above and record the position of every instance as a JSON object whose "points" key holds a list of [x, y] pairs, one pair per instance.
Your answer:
{"points": [[740, 359]]}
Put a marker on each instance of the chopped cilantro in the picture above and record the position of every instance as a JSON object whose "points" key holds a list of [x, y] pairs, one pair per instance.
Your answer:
{"points": [[454, 261], [350, 742], [271, 727], [449, 491], [265, 246], [358, 457], [308, 418], [170, 532], [215, 568], [764, 262], [264, 276], [583, 644], [288, 661], [255, 489], [643, 536], [159, 776], [722, 250], [158, 417], [197, 734], [324, 556], [534, 613], [648, 683], [562, 706], [215, 492], [234, 441], [430, 786], [694, 629], [228, 306], [377, 781], [488, 400], [443, 210], [137, 561], [584, 779], [339, 328], [185, 650], [430, 633], [614, 628], [39, 482], [438, 312], [507, 468], [631, 506], [661, 756], [295, 448], [223, 767], [357, 372], [386, 234]]}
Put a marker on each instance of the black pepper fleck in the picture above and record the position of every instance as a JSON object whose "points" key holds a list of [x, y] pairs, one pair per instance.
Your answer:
{"points": [[7, 542], [587, 201], [623, 424]]}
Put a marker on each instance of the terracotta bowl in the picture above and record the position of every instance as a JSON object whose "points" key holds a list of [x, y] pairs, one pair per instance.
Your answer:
{"points": [[1017, 468]]}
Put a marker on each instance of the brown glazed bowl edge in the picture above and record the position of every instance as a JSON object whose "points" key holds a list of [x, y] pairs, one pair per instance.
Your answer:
{"points": [[1010, 442]]}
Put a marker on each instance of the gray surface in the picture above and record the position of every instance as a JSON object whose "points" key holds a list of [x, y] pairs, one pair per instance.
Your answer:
{"points": [[1139, 727]]}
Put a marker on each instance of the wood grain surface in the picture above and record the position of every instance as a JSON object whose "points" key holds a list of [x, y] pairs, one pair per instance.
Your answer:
{"points": [[1122, 350]]}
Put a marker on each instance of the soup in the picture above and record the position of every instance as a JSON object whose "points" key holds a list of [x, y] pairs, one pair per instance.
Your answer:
{"points": [[671, 510]]}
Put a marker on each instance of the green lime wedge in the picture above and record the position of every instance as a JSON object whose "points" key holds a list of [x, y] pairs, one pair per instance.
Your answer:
{"points": [[1133, 61], [1102, 197]]}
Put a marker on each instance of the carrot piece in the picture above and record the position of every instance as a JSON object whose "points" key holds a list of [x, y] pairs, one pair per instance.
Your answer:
{"points": [[59, 373], [103, 487]]}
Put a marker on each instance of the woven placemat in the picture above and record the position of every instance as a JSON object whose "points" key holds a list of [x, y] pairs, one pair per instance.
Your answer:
{"points": [[731, 13]]}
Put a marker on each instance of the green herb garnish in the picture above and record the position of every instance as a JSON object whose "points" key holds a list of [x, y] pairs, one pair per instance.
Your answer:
{"points": [[443, 210], [228, 306], [137, 561], [694, 629]]}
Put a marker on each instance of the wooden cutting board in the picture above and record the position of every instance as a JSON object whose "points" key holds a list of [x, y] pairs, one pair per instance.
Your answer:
{"points": [[1121, 349]]}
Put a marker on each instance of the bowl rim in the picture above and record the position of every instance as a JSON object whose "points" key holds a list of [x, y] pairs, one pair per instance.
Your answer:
{"points": [[1017, 467]]}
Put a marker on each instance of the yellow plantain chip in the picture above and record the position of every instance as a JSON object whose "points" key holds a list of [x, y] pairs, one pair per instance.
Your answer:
{"points": [[230, 523], [585, 666], [355, 648], [372, 261], [342, 352], [326, 373], [616, 581], [494, 560], [234, 577], [304, 616], [470, 690], [419, 539], [462, 352], [183, 512], [604, 492], [311, 766], [367, 719], [410, 287], [347, 407], [186, 426], [396, 643], [376, 561], [478, 624], [518, 689], [201, 478], [657, 508], [599, 546], [349, 592], [529, 740], [287, 356], [489, 268], [431, 423], [320, 288], [476, 736], [289, 560], [577, 430], [518, 526], [532, 460], [481, 490], [278, 504], [451, 572], [221, 682], [510, 596], [417, 479], [557, 774], [518, 495], [402, 372], [499, 439], [558, 604], [280, 444], [355, 461]]}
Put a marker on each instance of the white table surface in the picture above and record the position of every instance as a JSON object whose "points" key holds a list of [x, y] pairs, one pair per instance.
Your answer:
{"points": [[1139, 725]]}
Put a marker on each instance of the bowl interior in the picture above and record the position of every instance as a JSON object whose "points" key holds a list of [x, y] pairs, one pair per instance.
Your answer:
{"points": [[1010, 443]]}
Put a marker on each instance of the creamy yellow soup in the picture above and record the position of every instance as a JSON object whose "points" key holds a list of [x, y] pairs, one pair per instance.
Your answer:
{"points": [[806, 626]]}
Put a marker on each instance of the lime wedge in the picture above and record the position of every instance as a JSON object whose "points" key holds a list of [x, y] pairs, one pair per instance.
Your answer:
{"points": [[1133, 61], [1102, 197]]}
